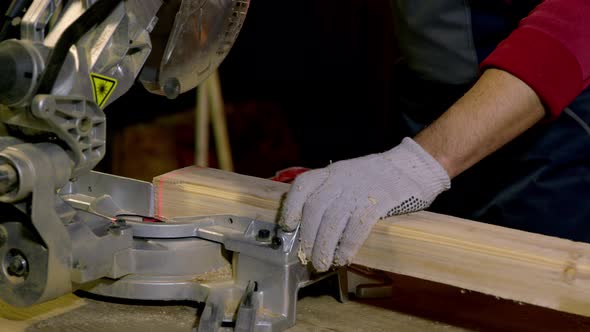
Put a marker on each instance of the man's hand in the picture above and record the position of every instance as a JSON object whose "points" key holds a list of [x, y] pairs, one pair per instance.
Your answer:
{"points": [[338, 205]]}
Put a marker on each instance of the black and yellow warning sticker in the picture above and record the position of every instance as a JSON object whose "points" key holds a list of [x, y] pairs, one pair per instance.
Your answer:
{"points": [[102, 88]]}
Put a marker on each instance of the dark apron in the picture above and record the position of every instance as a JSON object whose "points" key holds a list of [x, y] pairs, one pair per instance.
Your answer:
{"points": [[540, 182]]}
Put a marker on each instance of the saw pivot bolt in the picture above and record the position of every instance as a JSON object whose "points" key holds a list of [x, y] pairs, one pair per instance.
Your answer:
{"points": [[8, 178], [16, 264]]}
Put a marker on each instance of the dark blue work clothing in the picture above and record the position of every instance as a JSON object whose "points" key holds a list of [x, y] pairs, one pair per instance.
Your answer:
{"points": [[540, 182]]}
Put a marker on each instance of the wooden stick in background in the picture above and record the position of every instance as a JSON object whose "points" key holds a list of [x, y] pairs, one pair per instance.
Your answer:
{"points": [[219, 124], [210, 110], [202, 127]]}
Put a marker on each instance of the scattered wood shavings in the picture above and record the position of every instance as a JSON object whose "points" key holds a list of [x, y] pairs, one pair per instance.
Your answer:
{"points": [[222, 274]]}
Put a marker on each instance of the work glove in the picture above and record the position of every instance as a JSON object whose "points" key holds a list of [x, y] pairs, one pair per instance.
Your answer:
{"points": [[338, 205]]}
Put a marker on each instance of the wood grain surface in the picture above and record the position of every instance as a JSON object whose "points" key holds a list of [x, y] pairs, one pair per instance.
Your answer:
{"points": [[511, 264]]}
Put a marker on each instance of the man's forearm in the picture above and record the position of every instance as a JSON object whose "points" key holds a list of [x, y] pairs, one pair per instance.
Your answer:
{"points": [[497, 109]]}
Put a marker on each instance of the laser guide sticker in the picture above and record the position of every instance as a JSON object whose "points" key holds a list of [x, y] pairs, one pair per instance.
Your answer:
{"points": [[102, 88]]}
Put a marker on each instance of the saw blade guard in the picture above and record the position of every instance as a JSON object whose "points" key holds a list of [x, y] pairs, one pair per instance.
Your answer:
{"points": [[203, 33]]}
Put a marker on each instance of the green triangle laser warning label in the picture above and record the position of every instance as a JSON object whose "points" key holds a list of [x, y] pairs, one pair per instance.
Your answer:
{"points": [[102, 88]]}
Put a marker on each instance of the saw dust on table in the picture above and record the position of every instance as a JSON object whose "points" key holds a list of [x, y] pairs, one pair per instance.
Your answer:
{"points": [[14, 319], [218, 275], [99, 316], [326, 314], [321, 313]]}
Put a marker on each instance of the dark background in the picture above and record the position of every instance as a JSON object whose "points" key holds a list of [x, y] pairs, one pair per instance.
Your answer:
{"points": [[306, 83]]}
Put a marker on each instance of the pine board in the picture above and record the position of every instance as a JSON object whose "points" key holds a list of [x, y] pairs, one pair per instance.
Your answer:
{"points": [[526, 267]]}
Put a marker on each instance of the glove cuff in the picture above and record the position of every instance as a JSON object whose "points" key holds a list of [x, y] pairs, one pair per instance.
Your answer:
{"points": [[433, 178]]}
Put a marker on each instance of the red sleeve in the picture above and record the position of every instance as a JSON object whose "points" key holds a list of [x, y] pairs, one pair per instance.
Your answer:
{"points": [[550, 51]]}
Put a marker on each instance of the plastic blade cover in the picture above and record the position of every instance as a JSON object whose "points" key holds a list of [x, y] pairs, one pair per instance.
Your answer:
{"points": [[203, 33]]}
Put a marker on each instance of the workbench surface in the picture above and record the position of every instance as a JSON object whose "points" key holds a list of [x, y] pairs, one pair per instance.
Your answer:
{"points": [[315, 314], [416, 305]]}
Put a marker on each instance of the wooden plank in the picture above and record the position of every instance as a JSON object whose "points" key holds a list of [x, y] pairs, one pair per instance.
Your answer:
{"points": [[194, 191], [536, 269], [521, 266]]}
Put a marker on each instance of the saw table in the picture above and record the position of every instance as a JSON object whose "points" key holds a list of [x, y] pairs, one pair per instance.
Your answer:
{"points": [[416, 305]]}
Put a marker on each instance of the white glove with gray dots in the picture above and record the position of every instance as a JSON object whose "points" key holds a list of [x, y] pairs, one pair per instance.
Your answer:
{"points": [[337, 206]]}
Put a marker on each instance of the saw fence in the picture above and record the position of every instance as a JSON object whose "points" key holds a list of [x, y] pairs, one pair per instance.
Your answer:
{"points": [[510, 264]]}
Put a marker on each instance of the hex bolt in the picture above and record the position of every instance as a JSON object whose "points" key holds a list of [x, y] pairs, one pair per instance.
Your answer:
{"points": [[17, 266], [172, 88], [85, 124], [276, 242], [8, 178], [263, 235]]}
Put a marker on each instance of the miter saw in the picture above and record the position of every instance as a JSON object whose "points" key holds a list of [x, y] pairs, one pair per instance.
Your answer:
{"points": [[64, 227]]}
